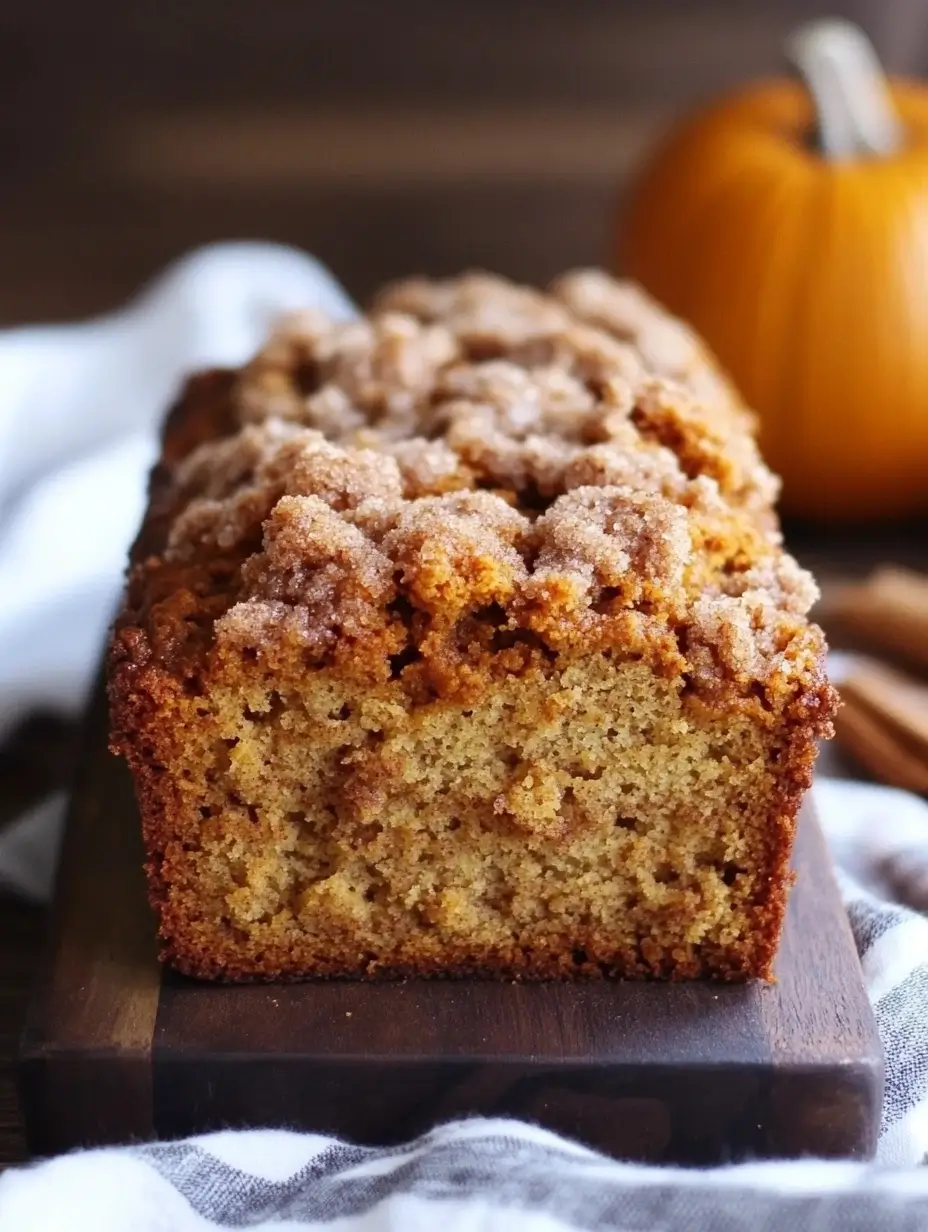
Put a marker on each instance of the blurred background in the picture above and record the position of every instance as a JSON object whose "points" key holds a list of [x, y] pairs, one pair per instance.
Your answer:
{"points": [[386, 139]]}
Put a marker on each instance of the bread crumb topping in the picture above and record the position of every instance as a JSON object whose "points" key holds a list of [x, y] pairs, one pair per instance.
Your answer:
{"points": [[557, 464]]}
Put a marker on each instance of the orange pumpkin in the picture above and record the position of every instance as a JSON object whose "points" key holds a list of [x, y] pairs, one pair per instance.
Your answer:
{"points": [[788, 223]]}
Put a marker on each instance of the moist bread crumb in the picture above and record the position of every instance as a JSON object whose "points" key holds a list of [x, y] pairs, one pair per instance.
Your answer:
{"points": [[459, 640]]}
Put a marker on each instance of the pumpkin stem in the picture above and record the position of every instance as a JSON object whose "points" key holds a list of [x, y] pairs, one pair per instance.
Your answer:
{"points": [[854, 112]]}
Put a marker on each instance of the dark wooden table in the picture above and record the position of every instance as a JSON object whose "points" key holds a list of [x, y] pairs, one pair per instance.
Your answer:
{"points": [[21, 931], [37, 759]]}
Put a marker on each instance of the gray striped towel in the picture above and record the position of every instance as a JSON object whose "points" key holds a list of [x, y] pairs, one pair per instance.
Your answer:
{"points": [[482, 1175]]}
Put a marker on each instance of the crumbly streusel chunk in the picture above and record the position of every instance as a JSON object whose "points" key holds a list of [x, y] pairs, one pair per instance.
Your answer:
{"points": [[473, 443]]}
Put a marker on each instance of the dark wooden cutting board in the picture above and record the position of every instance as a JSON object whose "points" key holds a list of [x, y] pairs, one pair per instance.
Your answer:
{"points": [[115, 1049]]}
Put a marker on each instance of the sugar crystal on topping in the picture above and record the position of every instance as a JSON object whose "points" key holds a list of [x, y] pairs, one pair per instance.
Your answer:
{"points": [[570, 458]]}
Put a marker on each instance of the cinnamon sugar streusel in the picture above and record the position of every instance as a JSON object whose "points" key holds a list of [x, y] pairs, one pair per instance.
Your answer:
{"points": [[460, 639]]}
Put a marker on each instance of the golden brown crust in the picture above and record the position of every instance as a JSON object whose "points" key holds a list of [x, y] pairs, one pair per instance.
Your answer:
{"points": [[476, 484]]}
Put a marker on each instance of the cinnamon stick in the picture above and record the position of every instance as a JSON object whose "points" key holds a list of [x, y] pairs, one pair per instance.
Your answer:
{"points": [[883, 723], [887, 613]]}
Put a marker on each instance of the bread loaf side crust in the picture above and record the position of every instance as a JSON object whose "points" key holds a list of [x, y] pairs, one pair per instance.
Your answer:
{"points": [[460, 641]]}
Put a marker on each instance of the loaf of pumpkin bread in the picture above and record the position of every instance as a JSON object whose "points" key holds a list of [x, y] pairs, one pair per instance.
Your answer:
{"points": [[459, 640]]}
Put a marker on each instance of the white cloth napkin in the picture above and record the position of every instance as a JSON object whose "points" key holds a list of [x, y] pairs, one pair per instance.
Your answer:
{"points": [[79, 409]]}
